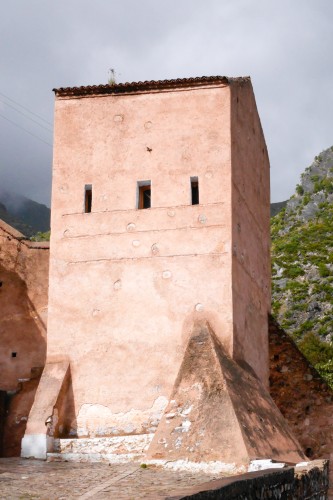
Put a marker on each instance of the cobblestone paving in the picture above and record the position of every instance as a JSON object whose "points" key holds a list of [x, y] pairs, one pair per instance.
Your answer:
{"points": [[22, 479]]}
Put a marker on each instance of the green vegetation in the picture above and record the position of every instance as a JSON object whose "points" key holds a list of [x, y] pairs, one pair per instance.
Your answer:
{"points": [[302, 265], [324, 185], [320, 355], [41, 236], [299, 189]]}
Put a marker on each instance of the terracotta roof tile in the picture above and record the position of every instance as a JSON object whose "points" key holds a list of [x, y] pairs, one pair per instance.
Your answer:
{"points": [[122, 88]]}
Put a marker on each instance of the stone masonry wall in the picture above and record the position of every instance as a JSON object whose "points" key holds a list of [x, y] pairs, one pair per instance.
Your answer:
{"points": [[307, 482]]}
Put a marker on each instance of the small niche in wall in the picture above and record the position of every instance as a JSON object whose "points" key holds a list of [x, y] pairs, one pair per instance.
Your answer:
{"points": [[14, 354], [194, 191], [144, 194], [87, 198]]}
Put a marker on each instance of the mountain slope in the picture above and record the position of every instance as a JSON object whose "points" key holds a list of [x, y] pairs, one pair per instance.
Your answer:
{"points": [[27, 216], [277, 207], [302, 255]]}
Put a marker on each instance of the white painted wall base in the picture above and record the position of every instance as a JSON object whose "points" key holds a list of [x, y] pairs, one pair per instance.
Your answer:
{"points": [[117, 449], [36, 446]]}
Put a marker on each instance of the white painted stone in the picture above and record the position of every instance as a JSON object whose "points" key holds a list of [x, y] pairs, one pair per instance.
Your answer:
{"points": [[265, 464], [120, 449], [36, 446], [131, 444], [108, 423], [215, 467], [91, 457], [186, 425]]}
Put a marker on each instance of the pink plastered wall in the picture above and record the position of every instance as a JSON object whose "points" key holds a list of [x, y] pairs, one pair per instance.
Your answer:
{"points": [[250, 233], [126, 285], [23, 306]]}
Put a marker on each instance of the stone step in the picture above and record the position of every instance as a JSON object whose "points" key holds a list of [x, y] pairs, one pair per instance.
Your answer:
{"points": [[115, 449]]}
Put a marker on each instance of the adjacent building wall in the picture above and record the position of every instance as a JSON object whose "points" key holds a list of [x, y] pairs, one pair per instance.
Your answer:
{"points": [[23, 306]]}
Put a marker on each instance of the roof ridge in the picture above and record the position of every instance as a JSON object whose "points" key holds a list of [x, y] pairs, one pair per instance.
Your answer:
{"points": [[120, 88]]}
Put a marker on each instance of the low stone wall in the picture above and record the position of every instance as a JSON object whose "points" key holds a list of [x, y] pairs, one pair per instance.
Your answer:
{"points": [[308, 482]]}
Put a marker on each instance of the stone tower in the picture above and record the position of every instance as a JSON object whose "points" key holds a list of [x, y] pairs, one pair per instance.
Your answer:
{"points": [[159, 244]]}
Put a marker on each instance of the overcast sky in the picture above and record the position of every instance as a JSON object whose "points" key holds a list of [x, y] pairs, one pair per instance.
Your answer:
{"points": [[285, 46]]}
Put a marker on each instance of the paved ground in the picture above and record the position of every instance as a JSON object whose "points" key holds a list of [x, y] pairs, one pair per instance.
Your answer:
{"points": [[34, 479]]}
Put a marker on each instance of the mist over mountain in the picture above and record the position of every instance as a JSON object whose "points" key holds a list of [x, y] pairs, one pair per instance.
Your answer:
{"points": [[27, 216]]}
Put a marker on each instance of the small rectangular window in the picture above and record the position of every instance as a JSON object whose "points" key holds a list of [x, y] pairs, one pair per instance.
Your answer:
{"points": [[87, 198], [194, 191], [144, 194]]}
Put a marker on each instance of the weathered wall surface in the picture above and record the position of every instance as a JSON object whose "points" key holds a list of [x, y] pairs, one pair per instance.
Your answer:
{"points": [[126, 284], [30, 261], [219, 411], [23, 307], [302, 396], [18, 407], [250, 232]]}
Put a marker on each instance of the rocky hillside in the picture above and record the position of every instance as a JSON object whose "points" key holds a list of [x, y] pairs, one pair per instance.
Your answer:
{"points": [[302, 255]]}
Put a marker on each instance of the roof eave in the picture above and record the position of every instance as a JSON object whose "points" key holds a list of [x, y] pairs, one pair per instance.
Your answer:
{"points": [[124, 88]]}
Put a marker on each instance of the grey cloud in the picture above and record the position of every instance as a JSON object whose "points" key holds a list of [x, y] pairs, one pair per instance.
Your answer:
{"points": [[285, 47]]}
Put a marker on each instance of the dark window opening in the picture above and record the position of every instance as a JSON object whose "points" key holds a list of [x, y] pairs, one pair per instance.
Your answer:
{"points": [[194, 191], [144, 195], [14, 354], [0, 284], [87, 199]]}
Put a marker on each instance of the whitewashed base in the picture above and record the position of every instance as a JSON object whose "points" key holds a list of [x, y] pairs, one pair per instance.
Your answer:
{"points": [[117, 449], [36, 446]]}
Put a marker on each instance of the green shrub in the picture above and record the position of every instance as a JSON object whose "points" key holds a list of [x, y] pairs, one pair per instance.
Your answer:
{"points": [[315, 350], [299, 189], [314, 178], [41, 236], [323, 270], [325, 369]]}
